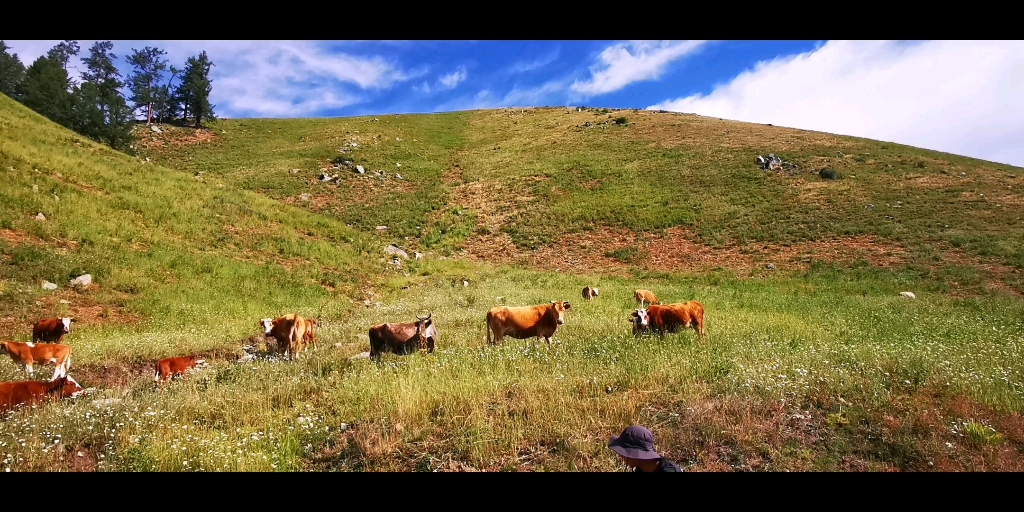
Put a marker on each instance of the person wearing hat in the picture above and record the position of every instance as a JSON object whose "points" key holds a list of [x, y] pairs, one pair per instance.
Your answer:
{"points": [[636, 447]]}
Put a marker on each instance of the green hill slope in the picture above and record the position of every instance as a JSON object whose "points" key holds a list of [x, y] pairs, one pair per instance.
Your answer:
{"points": [[819, 364]]}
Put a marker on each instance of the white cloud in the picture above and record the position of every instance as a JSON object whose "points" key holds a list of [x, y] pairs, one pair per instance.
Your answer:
{"points": [[264, 78], [453, 79], [625, 63], [517, 97], [961, 97], [524, 66]]}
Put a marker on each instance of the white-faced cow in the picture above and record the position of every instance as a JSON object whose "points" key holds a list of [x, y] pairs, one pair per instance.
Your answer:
{"points": [[31, 392], [403, 339], [51, 330], [672, 317], [30, 354], [640, 320], [522, 322], [289, 331], [589, 293]]}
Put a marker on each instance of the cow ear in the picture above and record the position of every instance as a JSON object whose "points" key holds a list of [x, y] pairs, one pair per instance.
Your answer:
{"points": [[566, 305]]}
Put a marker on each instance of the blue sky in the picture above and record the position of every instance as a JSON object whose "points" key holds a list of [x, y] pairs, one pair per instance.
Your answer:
{"points": [[962, 97]]}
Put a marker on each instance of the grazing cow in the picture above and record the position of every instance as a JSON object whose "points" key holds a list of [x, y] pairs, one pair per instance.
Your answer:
{"points": [[171, 366], [645, 295], [403, 339], [51, 330], [589, 293], [289, 331], [671, 317], [31, 392], [29, 354], [524, 322]]}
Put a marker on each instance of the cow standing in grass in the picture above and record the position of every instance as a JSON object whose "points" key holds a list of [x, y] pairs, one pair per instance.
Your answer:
{"points": [[288, 330], [51, 330], [645, 295], [30, 354], [524, 322], [171, 366]]}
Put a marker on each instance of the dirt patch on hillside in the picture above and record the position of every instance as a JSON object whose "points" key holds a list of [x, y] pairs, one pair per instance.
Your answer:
{"points": [[173, 137], [14, 237], [615, 250]]}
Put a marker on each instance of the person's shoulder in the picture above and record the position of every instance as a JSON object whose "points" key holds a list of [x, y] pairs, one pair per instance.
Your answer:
{"points": [[667, 466]]}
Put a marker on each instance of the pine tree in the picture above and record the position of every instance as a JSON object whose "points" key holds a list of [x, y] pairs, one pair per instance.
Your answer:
{"points": [[144, 82], [45, 89], [194, 90], [63, 52], [104, 114], [12, 71]]}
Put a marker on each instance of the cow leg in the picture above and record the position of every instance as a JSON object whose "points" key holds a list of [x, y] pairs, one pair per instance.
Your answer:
{"points": [[29, 369]]}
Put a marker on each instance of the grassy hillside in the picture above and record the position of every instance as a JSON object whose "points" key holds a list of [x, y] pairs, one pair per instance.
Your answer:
{"points": [[818, 364]]}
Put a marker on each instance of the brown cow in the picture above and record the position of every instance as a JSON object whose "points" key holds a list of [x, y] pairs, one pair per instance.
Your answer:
{"points": [[289, 331], [645, 295], [31, 392], [671, 317], [29, 354], [309, 338], [589, 293], [171, 366], [403, 339], [51, 330], [524, 322]]}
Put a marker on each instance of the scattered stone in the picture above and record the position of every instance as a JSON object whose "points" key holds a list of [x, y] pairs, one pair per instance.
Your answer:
{"points": [[304, 197], [324, 177], [398, 176], [382, 228], [82, 280], [62, 301], [295, 171], [55, 198], [49, 286], [963, 174], [419, 255], [35, 188], [465, 283], [245, 358], [398, 139], [770, 266], [827, 174], [40, 216], [105, 402], [361, 355], [155, 128], [869, 207], [360, 169], [395, 251], [147, 158], [909, 295], [398, 164], [773, 162]]}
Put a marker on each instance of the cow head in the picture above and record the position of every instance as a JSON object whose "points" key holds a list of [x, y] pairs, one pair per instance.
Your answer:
{"points": [[595, 291], [426, 331], [560, 309], [267, 324], [640, 318], [67, 387], [67, 324]]}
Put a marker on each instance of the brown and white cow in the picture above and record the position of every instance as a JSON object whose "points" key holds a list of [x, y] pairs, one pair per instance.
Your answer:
{"points": [[524, 322], [640, 320], [589, 293], [403, 339], [645, 295], [29, 354], [169, 367], [51, 330], [289, 331], [31, 392], [671, 317]]}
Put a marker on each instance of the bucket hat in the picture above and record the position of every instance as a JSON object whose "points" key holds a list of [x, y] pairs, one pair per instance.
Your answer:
{"points": [[635, 442]]}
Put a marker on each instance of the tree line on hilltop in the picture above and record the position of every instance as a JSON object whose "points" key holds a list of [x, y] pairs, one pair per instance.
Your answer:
{"points": [[96, 108]]}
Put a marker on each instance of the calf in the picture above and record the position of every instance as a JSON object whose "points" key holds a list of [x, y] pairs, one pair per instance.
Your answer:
{"points": [[171, 366], [589, 293], [403, 339], [51, 330], [524, 322], [645, 295], [29, 354], [309, 338], [289, 331], [31, 392]]}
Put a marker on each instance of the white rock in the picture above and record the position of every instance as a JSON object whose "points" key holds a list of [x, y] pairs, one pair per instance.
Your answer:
{"points": [[82, 280], [155, 128], [62, 301], [35, 188], [381, 228], [909, 295], [49, 286]]}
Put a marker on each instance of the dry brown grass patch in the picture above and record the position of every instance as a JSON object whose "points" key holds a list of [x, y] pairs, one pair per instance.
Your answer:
{"points": [[173, 137]]}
